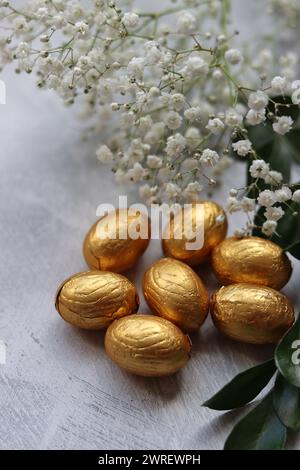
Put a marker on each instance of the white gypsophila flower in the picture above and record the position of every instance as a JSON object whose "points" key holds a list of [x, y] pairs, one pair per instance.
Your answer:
{"points": [[195, 67], [127, 120], [273, 177], [23, 50], [193, 113], [233, 56], [172, 190], [177, 101], [130, 20], [147, 192], [267, 198], [248, 204], [104, 154], [136, 67], [283, 125], [173, 120], [192, 133], [296, 196], [192, 190], [154, 162], [81, 28], [295, 85], [279, 84], [254, 117], [186, 23], [242, 147], [215, 126], [233, 118], [274, 213], [259, 169], [154, 54], [283, 194], [258, 100], [136, 173], [233, 205], [175, 145], [209, 157], [269, 227]]}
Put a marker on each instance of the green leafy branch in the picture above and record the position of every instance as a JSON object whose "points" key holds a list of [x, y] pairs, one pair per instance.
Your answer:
{"points": [[266, 426], [279, 152]]}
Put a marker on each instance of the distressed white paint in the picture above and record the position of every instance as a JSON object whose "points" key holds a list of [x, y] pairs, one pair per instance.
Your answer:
{"points": [[58, 389]]}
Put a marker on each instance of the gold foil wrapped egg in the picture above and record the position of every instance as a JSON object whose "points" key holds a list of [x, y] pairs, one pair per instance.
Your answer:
{"points": [[117, 240], [204, 220], [175, 292], [251, 259], [147, 345], [92, 300], [251, 313]]}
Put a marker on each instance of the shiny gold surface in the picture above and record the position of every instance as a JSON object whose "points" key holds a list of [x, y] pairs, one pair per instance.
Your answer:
{"points": [[251, 313], [252, 260], [214, 232], [115, 253], [175, 292], [92, 300], [147, 345]]}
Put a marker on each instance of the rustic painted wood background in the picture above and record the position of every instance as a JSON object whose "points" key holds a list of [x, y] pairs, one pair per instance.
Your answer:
{"points": [[58, 390]]}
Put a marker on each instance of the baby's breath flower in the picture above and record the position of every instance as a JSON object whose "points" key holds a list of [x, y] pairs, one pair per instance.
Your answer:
{"points": [[255, 117], [242, 147], [215, 125], [269, 227], [233, 205], [248, 204], [258, 100], [283, 125], [167, 93], [130, 20], [233, 56], [259, 169], [296, 196], [279, 84], [284, 194], [274, 213], [173, 120], [209, 157], [233, 118], [104, 154], [267, 198]]}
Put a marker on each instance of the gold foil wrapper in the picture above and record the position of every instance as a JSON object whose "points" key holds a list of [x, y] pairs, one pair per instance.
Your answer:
{"points": [[110, 244], [215, 230], [252, 260], [175, 292], [92, 300], [147, 345], [251, 313]]}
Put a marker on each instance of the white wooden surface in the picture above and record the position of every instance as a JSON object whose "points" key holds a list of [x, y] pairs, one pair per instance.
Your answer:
{"points": [[58, 390]]}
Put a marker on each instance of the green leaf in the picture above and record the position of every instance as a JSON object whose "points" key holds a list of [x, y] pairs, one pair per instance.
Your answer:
{"points": [[286, 400], [243, 388], [293, 141], [260, 429], [272, 148], [287, 355]]}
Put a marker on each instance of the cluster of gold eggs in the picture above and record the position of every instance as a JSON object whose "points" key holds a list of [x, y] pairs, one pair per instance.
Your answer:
{"points": [[247, 308]]}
